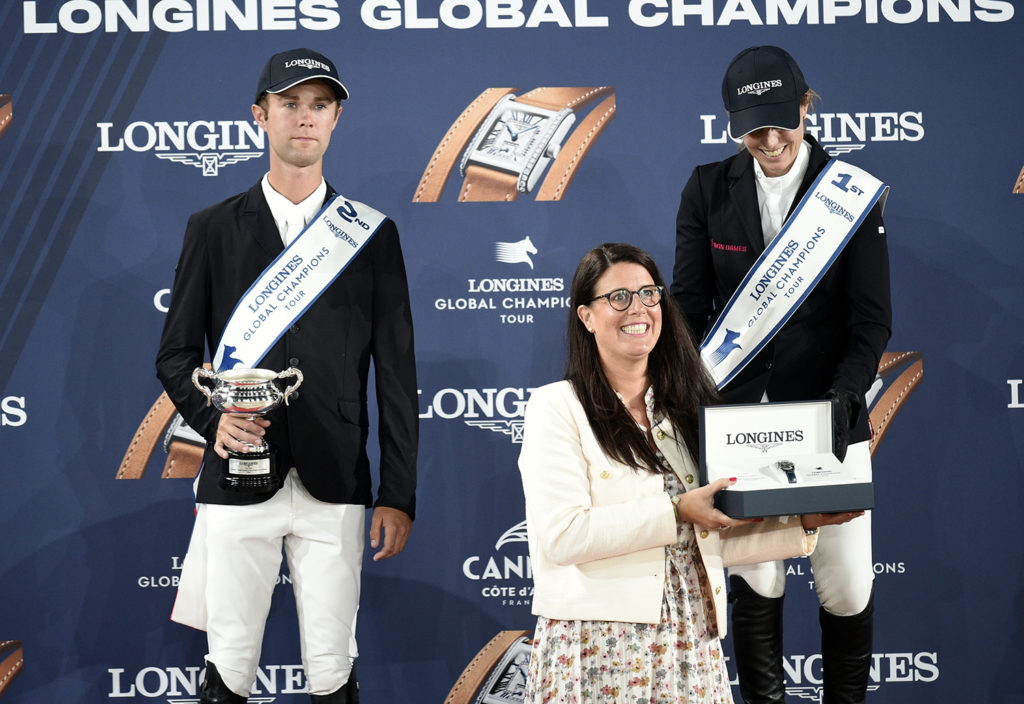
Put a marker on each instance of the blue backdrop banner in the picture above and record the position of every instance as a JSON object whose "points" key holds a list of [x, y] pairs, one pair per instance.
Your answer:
{"points": [[119, 118]]}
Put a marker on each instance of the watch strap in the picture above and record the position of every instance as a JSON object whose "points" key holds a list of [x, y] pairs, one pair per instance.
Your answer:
{"points": [[11, 661], [454, 142], [6, 112], [557, 98], [476, 672], [888, 405], [183, 460], [146, 438], [484, 184], [1018, 187], [563, 169]]}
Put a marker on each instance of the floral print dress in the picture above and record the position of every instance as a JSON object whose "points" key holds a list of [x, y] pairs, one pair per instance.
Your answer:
{"points": [[678, 659]]}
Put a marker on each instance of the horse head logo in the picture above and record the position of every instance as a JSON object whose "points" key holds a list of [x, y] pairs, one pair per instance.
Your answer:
{"points": [[515, 252]]}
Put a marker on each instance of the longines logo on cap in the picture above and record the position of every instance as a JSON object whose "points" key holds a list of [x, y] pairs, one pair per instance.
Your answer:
{"points": [[760, 87], [311, 64], [207, 145]]}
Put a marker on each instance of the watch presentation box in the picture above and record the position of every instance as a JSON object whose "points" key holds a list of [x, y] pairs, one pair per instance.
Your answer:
{"points": [[781, 456]]}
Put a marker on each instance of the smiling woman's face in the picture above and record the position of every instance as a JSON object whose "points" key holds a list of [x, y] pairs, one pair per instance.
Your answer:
{"points": [[775, 149], [622, 335]]}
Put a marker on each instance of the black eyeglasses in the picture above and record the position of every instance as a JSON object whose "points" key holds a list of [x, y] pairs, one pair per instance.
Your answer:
{"points": [[622, 298]]}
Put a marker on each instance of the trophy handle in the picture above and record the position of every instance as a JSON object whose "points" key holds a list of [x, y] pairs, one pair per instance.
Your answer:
{"points": [[206, 373], [290, 371]]}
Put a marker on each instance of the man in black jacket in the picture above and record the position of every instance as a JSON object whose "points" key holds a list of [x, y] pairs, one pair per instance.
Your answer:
{"points": [[320, 437]]}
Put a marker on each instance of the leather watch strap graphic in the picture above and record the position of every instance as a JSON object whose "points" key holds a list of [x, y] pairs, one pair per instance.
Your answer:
{"points": [[560, 97], [1017, 187], [183, 460], [450, 149], [892, 399], [483, 184], [146, 438], [11, 661], [184, 456], [6, 112], [479, 668], [563, 169]]}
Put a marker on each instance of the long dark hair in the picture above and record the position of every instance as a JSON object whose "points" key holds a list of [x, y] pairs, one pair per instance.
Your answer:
{"points": [[681, 384]]}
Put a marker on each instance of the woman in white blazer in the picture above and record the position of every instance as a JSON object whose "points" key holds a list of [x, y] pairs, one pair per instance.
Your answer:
{"points": [[626, 549]]}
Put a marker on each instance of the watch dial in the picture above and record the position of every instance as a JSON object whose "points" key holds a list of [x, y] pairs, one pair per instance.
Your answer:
{"points": [[512, 135], [511, 684]]}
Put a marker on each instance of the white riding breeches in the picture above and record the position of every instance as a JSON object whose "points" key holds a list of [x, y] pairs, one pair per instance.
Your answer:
{"points": [[323, 543], [841, 562]]}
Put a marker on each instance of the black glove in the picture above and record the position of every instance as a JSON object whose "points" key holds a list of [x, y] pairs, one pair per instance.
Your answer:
{"points": [[843, 405]]}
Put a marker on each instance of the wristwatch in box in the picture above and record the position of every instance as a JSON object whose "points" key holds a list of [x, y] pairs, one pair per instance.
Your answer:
{"points": [[504, 143], [787, 468]]}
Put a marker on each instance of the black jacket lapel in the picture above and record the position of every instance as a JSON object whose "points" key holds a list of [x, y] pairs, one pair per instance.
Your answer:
{"points": [[744, 200]]}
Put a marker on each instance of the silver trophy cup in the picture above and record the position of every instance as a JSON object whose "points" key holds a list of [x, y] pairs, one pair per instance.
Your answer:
{"points": [[252, 393]]}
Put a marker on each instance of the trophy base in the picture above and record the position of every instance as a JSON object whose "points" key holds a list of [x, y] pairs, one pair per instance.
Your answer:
{"points": [[252, 472]]}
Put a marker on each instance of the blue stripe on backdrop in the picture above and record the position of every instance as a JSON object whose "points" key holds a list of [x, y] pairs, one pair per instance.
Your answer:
{"points": [[63, 91]]}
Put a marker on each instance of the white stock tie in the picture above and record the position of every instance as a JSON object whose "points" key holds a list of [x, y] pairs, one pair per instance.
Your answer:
{"points": [[293, 226]]}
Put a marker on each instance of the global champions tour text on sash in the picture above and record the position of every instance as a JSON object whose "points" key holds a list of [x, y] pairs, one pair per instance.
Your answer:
{"points": [[784, 273], [294, 281], [291, 279]]}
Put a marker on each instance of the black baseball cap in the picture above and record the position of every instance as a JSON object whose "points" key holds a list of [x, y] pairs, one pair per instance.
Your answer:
{"points": [[296, 66], [763, 87]]}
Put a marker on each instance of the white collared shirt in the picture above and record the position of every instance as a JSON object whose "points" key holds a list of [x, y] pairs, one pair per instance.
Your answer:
{"points": [[775, 194], [292, 218]]}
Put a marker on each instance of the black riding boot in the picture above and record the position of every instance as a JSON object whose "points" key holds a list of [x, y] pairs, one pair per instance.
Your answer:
{"points": [[757, 644], [347, 694], [846, 654], [214, 691]]}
